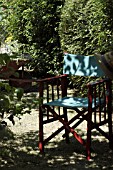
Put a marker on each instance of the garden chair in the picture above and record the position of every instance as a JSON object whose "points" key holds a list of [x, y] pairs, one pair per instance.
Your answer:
{"points": [[95, 108]]}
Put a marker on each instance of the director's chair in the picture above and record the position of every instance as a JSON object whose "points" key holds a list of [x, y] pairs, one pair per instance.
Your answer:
{"points": [[95, 108]]}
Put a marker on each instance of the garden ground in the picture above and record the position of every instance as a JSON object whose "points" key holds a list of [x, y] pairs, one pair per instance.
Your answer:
{"points": [[19, 148]]}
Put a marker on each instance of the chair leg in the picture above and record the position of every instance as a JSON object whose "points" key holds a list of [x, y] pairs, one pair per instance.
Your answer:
{"points": [[110, 131], [88, 143], [41, 140], [88, 146], [66, 120]]}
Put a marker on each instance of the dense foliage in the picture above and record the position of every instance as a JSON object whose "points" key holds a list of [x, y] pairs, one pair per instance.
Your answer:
{"points": [[12, 103], [3, 31], [35, 25], [87, 26]]}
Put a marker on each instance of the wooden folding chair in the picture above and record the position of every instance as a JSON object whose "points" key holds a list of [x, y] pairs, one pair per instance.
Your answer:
{"points": [[95, 108]]}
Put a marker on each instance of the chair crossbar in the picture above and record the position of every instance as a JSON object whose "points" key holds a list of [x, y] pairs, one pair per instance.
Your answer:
{"points": [[66, 125]]}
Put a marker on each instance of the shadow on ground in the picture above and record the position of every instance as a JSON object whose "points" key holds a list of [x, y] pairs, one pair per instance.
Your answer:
{"points": [[21, 153]]}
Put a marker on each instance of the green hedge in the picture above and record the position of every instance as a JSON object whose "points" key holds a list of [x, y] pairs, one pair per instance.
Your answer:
{"points": [[34, 23], [87, 26]]}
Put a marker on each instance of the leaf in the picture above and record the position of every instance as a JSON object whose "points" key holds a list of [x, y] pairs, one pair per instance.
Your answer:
{"points": [[19, 93]]}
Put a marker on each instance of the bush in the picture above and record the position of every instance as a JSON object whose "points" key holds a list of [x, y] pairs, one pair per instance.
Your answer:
{"points": [[35, 25], [87, 26], [11, 103], [3, 32], [11, 99]]}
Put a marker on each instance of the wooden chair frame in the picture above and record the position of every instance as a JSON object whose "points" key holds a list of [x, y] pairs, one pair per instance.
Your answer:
{"points": [[96, 103]]}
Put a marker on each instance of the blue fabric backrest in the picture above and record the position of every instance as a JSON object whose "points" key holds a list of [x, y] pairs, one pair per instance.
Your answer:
{"points": [[81, 65]]}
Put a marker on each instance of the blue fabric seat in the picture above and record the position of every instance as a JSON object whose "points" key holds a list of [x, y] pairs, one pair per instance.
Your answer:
{"points": [[73, 102]]}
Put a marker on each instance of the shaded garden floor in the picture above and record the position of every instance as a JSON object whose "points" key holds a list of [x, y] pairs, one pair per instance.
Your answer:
{"points": [[19, 151]]}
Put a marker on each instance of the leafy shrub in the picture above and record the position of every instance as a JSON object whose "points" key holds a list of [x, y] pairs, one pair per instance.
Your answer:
{"points": [[11, 103], [11, 99], [3, 31], [35, 25], [87, 26]]}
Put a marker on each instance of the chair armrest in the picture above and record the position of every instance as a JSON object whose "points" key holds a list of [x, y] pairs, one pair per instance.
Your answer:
{"points": [[52, 88], [98, 82], [100, 90], [52, 78], [101, 86]]}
